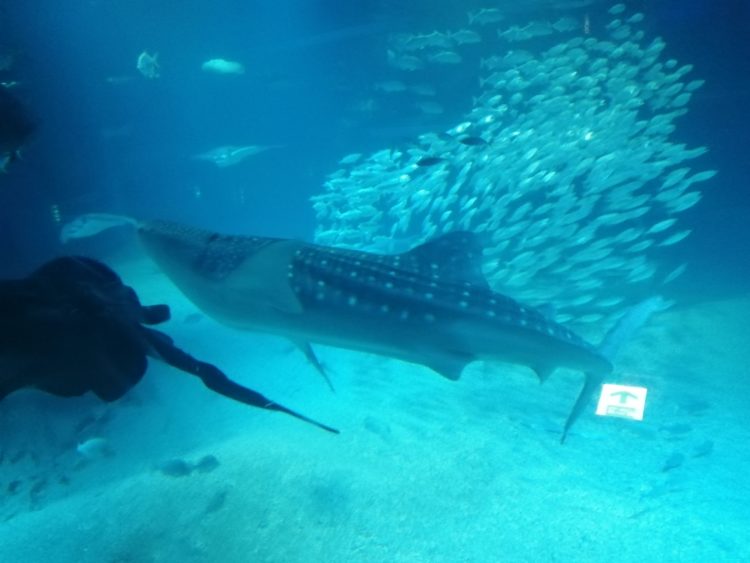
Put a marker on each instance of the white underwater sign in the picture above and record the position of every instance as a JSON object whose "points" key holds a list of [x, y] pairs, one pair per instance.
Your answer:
{"points": [[623, 401]]}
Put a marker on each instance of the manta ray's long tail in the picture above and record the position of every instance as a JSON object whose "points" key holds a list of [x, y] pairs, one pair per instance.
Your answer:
{"points": [[621, 332], [217, 381], [91, 224]]}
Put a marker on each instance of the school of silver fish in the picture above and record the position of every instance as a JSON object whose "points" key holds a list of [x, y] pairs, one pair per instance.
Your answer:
{"points": [[565, 163]]}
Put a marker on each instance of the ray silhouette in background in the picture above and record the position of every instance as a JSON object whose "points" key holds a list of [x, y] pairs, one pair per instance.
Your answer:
{"points": [[16, 126]]}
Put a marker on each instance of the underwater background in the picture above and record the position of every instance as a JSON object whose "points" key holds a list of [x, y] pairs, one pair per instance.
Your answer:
{"points": [[378, 125]]}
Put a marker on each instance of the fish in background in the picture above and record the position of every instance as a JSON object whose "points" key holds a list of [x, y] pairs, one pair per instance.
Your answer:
{"points": [[94, 448], [16, 127], [229, 155], [223, 66], [485, 16], [148, 65], [7, 60], [581, 234]]}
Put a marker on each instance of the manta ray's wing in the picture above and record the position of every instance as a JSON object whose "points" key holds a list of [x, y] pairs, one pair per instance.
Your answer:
{"points": [[70, 328]]}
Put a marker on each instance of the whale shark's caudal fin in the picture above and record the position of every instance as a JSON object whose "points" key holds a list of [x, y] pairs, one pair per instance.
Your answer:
{"points": [[91, 224], [630, 323], [621, 332]]}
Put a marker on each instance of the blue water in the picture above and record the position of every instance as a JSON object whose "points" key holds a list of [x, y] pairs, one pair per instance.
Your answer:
{"points": [[425, 470]]}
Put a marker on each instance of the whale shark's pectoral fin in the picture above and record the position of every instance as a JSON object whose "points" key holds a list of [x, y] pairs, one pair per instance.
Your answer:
{"points": [[313, 359], [262, 279], [215, 379], [543, 371], [449, 366]]}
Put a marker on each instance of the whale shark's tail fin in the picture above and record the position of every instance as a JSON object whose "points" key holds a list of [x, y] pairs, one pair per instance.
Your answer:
{"points": [[621, 332], [91, 224], [628, 325]]}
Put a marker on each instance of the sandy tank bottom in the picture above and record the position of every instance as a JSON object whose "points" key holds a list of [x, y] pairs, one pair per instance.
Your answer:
{"points": [[424, 470]]}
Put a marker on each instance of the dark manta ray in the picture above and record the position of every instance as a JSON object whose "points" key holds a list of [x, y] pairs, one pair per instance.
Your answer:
{"points": [[15, 128], [72, 326], [430, 305]]}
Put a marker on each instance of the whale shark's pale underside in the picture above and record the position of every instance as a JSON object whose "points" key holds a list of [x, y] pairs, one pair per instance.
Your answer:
{"points": [[430, 305]]}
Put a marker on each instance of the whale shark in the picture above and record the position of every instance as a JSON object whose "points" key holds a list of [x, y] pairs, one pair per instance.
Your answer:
{"points": [[430, 305]]}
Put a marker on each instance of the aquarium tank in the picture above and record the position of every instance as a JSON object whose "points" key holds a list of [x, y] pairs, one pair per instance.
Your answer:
{"points": [[374, 281]]}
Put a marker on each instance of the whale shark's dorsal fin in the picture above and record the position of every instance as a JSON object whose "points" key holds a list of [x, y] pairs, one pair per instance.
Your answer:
{"points": [[455, 257], [91, 224]]}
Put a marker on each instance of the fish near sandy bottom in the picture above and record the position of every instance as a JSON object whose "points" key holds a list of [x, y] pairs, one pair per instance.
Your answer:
{"points": [[430, 305]]}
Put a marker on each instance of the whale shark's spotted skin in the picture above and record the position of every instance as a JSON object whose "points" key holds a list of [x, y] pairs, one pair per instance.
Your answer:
{"points": [[408, 289], [431, 305], [214, 255]]}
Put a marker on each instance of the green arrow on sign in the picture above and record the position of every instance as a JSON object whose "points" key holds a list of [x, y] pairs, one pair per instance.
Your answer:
{"points": [[624, 396]]}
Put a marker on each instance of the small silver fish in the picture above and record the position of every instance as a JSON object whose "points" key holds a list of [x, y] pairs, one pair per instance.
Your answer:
{"points": [[95, 448], [223, 66]]}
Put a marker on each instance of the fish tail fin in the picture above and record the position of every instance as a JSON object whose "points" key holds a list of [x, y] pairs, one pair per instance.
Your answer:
{"points": [[621, 332], [633, 319]]}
